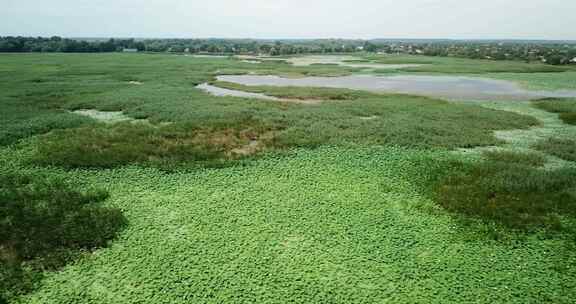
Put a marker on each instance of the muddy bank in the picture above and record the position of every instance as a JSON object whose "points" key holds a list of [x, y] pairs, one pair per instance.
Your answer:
{"points": [[218, 91]]}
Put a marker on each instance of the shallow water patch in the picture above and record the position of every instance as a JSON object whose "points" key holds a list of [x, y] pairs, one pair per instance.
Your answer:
{"points": [[449, 87], [345, 61]]}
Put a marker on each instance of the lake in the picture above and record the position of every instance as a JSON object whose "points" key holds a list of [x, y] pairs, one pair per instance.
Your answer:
{"points": [[450, 87]]}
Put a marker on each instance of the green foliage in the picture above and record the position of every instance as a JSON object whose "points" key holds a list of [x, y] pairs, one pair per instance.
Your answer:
{"points": [[23, 121], [108, 146], [36, 90], [562, 148], [450, 65], [167, 94], [43, 224], [569, 118], [566, 108], [351, 221], [520, 158], [407, 121], [556, 105], [510, 194], [299, 93], [540, 81], [329, 225], [397, 120]]}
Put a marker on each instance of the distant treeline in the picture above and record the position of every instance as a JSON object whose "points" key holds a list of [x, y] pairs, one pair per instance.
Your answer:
{"points": [[556, 53], [58, 44]]}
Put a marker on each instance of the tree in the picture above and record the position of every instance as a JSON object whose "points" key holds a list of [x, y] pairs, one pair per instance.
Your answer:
{"points": [[555, 59], [370, 47]]}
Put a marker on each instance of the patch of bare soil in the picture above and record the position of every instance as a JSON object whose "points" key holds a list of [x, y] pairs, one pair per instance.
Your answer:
{"points": [[369, 117], [256, 143], [251, 148]]}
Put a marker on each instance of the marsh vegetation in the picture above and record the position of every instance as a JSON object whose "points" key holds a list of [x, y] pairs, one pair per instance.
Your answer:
{"points": [[148, 189]]}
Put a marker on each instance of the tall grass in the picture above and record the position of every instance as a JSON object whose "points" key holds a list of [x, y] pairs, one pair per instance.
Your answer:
{"points": [[566, 107], [44, 223], [520, 158], [36, 100], [510, 194], [37, 89], [562, 148], [303, 93], [211, 137], [105, 146], [450, 65]]}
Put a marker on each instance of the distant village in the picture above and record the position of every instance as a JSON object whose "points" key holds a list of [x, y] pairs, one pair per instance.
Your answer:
{"points": [[549, 52]]}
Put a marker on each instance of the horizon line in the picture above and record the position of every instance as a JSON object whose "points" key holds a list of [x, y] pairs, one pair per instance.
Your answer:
{"points": [[292, 38]]}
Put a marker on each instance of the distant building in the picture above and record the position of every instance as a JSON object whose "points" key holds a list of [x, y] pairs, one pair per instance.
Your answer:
{"points": [[130, 50], [573, 60]]}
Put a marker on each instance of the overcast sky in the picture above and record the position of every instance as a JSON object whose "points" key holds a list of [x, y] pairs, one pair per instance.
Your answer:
{"points": [[501, 19]]}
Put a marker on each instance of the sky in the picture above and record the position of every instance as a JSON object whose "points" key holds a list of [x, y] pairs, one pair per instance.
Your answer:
{"points": [[280, 19]]}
